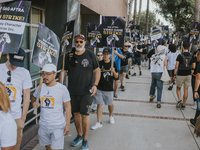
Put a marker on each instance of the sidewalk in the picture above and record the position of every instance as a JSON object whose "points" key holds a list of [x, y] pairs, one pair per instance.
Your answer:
{"points": [[140, 125]]}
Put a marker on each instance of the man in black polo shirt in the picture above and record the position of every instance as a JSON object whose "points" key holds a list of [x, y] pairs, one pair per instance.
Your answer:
{"points": [[124, 65], [184, 62], [105, 88]]}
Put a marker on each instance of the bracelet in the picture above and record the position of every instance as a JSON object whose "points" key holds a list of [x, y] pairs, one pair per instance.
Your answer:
{"points": [[195, 91], [95, 85], [174, 74]]}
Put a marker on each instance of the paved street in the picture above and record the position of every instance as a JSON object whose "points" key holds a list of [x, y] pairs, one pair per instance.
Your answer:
{"points": [[139, 124]]}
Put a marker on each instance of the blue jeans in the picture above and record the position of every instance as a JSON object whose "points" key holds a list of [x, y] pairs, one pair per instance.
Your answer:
{"points": [[156, 82]]}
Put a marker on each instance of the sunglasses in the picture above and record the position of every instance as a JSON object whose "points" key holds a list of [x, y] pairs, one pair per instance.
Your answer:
{"points": [[126, 46], [99, 55], [79, 42], [9, 74]]}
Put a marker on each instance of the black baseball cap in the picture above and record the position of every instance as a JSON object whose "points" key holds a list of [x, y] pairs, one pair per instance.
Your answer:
{"points": [[106, 50], [17, 59]]}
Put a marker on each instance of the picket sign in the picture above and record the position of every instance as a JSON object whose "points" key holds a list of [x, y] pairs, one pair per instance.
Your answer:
{"points": [[38, 94], [95, 51], [112, 62], [0, 55], [63, 67]]}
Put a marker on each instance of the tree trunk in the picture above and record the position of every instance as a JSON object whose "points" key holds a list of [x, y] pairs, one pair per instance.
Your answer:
{"points": [[147, 19], [130, 9], [139, 12], [196, 14], [135, 12]]}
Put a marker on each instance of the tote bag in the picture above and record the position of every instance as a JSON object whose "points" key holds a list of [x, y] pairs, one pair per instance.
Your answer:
{"points": [[165, 75]]}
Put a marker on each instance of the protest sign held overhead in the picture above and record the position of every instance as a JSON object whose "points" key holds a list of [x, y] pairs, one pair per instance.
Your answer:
{"points": [[135, 32], [46, 47], [13, 16], [127, 36], [113, 31], [165, 33], [94, 35], [67, 38], [194, 32], [156, 33]]}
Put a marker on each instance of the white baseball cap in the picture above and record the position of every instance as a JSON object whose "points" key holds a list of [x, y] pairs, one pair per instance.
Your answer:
{"points": [[49, 68]]}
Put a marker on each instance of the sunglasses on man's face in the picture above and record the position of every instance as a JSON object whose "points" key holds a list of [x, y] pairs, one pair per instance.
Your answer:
{"points": [[99, 55], [79, 42], [126, 46], [9, 74]]}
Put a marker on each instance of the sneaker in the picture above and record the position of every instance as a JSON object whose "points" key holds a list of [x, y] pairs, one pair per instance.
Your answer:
{"points": [[182, 107], [152, 98], [96, 126], [179, 104], [127, 77], [84, 145], [158, 105], [140, 73], [120, 87], [115, 95], [194, 107], [129, 73], [170, 88], [112, 120], [123, 88], [77, 140], [192, 123], [134, 74], [174, 82]]}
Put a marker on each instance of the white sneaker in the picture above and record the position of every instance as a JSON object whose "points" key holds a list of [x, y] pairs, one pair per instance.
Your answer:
{"points": [[194, 107], [96, 126], [112, 120]]}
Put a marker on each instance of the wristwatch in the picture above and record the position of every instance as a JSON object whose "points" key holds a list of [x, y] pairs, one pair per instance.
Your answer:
{"points": [[95, 85]]}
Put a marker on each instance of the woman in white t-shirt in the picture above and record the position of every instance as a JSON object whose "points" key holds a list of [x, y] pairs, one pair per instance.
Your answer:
{"points": [[8, 127], [158, 62], [171, 58]]}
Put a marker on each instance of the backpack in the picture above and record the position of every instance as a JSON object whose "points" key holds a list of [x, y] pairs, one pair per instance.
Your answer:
{"points": [[186, 65]]}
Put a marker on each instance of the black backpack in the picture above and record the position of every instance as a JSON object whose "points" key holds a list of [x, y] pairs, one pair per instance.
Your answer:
{"points": [[186, 64]]}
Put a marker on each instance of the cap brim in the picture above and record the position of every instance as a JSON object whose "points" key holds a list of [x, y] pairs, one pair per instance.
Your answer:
{"points": [[17, 63]]}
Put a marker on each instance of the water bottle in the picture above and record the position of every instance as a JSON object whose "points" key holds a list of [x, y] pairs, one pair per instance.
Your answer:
{"points": [[198, 104]]}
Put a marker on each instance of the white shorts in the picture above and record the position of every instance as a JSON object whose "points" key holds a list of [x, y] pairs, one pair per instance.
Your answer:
{"points": [[51, 135], [103, 96]]}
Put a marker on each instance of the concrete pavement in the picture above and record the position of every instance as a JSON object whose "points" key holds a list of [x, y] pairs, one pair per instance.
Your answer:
{"points": [[140, 125]]}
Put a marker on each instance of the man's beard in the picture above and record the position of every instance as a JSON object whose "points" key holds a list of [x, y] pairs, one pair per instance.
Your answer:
{"points": [[79, 48]]}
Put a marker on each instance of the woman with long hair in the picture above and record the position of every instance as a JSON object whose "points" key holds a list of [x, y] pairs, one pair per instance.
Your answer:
{"points": [[8, 127]]}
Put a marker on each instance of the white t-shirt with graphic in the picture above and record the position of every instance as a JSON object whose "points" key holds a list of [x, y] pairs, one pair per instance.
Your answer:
{"points": [[51, 102], [20, 80], [8, 130]]}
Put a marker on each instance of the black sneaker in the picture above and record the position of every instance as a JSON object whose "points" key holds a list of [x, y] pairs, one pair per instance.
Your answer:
{"points": [[182, 107], [179, 104], [170, 88], [140, 73], [127, 77], [134, 74], [192, 123]]}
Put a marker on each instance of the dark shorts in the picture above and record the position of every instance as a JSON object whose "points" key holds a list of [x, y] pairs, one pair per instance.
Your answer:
{"points": [[137, 61], [116, 78], [171, 73], [81, 103]]}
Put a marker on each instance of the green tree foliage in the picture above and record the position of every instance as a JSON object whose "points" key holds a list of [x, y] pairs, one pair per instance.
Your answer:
{"points": [[180, 13], [152, 21]]}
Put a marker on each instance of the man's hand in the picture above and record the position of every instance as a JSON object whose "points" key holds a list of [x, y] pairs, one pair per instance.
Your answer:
{"points": [[115, 51], [112, 69], [93, 90], [196, 95], [36, 105], [66, 129]]}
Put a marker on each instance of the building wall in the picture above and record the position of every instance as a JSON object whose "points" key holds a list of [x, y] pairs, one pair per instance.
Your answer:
{"points": [[107, 7]]}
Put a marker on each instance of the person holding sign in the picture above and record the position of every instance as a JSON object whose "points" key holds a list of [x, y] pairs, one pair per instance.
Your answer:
{"points": [[105, 88], [124, 65], [84, 74], [8, 127], [17, 81], [52, 124]]}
